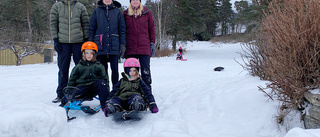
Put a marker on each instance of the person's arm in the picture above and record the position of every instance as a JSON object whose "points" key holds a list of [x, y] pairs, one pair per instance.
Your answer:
{"points": [[114, 90], [152, 32], [92, 26], [54, 21], [75, 74], [147, 91], [122, 29], [85, 22]]}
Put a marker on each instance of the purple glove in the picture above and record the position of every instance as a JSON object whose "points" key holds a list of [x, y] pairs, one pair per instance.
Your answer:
{"points": [[154, 108]]}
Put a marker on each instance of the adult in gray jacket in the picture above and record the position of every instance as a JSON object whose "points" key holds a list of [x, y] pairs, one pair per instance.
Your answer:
{"points": [[69, 26]]}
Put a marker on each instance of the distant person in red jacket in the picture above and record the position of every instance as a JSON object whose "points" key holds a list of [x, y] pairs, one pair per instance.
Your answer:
{"points": [[140, 37]]}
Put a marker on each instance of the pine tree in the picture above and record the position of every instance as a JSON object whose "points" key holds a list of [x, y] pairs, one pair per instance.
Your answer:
{"points": [[225, 13]]}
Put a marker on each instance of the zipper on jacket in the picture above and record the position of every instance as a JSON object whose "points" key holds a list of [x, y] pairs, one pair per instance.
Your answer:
{"points": [[69, 19], [107, 12]]}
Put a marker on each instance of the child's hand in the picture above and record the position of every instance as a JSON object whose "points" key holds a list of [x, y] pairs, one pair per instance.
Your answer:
{"points": [[154, 108]]}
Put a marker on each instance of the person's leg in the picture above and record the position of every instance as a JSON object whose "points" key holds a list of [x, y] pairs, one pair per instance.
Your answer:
{"points": [[104, 61], [64, 58], [145, 69], [136, 102], [113, 105], [73, 93], [101, 88], [76, 52], [114, 69]]}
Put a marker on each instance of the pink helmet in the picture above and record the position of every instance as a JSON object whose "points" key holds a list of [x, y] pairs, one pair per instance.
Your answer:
{"points": [[131, 62]]}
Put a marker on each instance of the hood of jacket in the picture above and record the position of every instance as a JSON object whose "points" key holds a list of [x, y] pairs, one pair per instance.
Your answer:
{"points": [[144, 11], [114, 4]]}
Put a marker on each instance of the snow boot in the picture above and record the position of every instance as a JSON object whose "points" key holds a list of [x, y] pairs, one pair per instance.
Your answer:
{"points": [[56, 100]]}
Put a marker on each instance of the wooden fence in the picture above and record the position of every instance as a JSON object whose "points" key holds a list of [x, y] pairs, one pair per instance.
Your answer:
{"points": [[7, 57]]}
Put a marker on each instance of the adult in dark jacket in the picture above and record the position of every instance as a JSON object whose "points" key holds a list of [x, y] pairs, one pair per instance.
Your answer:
{"points": [[130, 93], [107, 29], [140, 37], [69, 25]]}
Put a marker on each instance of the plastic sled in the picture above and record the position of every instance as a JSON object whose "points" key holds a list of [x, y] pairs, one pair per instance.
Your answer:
{"points": [[77, 105], [132, 115]]}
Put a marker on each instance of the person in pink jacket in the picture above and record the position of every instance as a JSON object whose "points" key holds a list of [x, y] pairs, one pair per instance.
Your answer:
{"points": [[140, 37]]}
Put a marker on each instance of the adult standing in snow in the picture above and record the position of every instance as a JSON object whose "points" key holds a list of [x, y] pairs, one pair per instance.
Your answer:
{"points": [[140, 37], [108, 30], [69, 24]]}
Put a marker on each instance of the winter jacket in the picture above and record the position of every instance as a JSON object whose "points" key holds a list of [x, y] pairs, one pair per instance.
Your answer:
{"points": [[86, 73], [140, 33], [107, 29], [124, 89], [69, 21]]}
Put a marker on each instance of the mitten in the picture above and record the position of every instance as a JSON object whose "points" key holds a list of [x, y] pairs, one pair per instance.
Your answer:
{"points": [[122, 50], [153, 49], [56, 45], [154, 108]]}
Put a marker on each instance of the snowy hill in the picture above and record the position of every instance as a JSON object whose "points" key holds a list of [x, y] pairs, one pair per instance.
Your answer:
{"points": [[193, 101]]}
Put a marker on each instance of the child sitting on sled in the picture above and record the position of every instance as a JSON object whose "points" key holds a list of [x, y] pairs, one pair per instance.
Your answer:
{"points": [[131, 92], [179, 55], [88, 78]]}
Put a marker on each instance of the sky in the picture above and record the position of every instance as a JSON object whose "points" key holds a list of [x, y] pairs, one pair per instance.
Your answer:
{"points": [[193, 101]]}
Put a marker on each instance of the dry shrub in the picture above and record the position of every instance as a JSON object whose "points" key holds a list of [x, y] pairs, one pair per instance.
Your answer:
{"points": [[288, 50], [164, 52], [232, 38]]}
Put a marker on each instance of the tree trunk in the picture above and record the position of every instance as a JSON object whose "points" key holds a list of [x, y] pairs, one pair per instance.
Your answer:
{"points": [[174, 43], [28, 18]]}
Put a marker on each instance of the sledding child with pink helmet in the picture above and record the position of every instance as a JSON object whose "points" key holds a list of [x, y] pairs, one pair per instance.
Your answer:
{"points": [[130, 92]]}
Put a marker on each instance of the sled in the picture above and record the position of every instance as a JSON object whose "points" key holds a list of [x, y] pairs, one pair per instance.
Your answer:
{"points": [[125, 115], [183, 59], [77, 105]]}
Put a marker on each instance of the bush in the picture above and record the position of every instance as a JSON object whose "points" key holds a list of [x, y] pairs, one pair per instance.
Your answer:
{"points": [[288, 48]]}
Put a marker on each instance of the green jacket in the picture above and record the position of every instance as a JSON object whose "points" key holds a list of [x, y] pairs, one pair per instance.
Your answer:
{"points": [[125, 88], [86, 73], [69, 21]]}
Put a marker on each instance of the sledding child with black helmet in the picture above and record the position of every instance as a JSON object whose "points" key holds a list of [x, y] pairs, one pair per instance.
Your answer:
{"points": [[88, 78], [131, 92]]}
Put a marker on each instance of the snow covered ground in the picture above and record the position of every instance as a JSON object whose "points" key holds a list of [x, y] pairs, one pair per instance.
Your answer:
{"points": [[193, 101]]}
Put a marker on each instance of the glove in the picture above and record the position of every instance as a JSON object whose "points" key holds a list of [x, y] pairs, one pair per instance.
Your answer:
{"points": [[154, 108], [122, 50], [56, 45], [153, 49]]}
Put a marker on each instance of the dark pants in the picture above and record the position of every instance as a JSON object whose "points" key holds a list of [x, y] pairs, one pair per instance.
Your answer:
{"points": [[99, 87], [64, 58], [113, 59], [145, 68], [124, 104]]}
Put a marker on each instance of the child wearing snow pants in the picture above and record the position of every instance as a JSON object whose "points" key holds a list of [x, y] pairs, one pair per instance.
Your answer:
{"points": [[88, 78], [131, 92]]}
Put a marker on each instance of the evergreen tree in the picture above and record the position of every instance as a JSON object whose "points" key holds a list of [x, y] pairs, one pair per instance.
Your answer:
{"points": [[225, 13]]}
